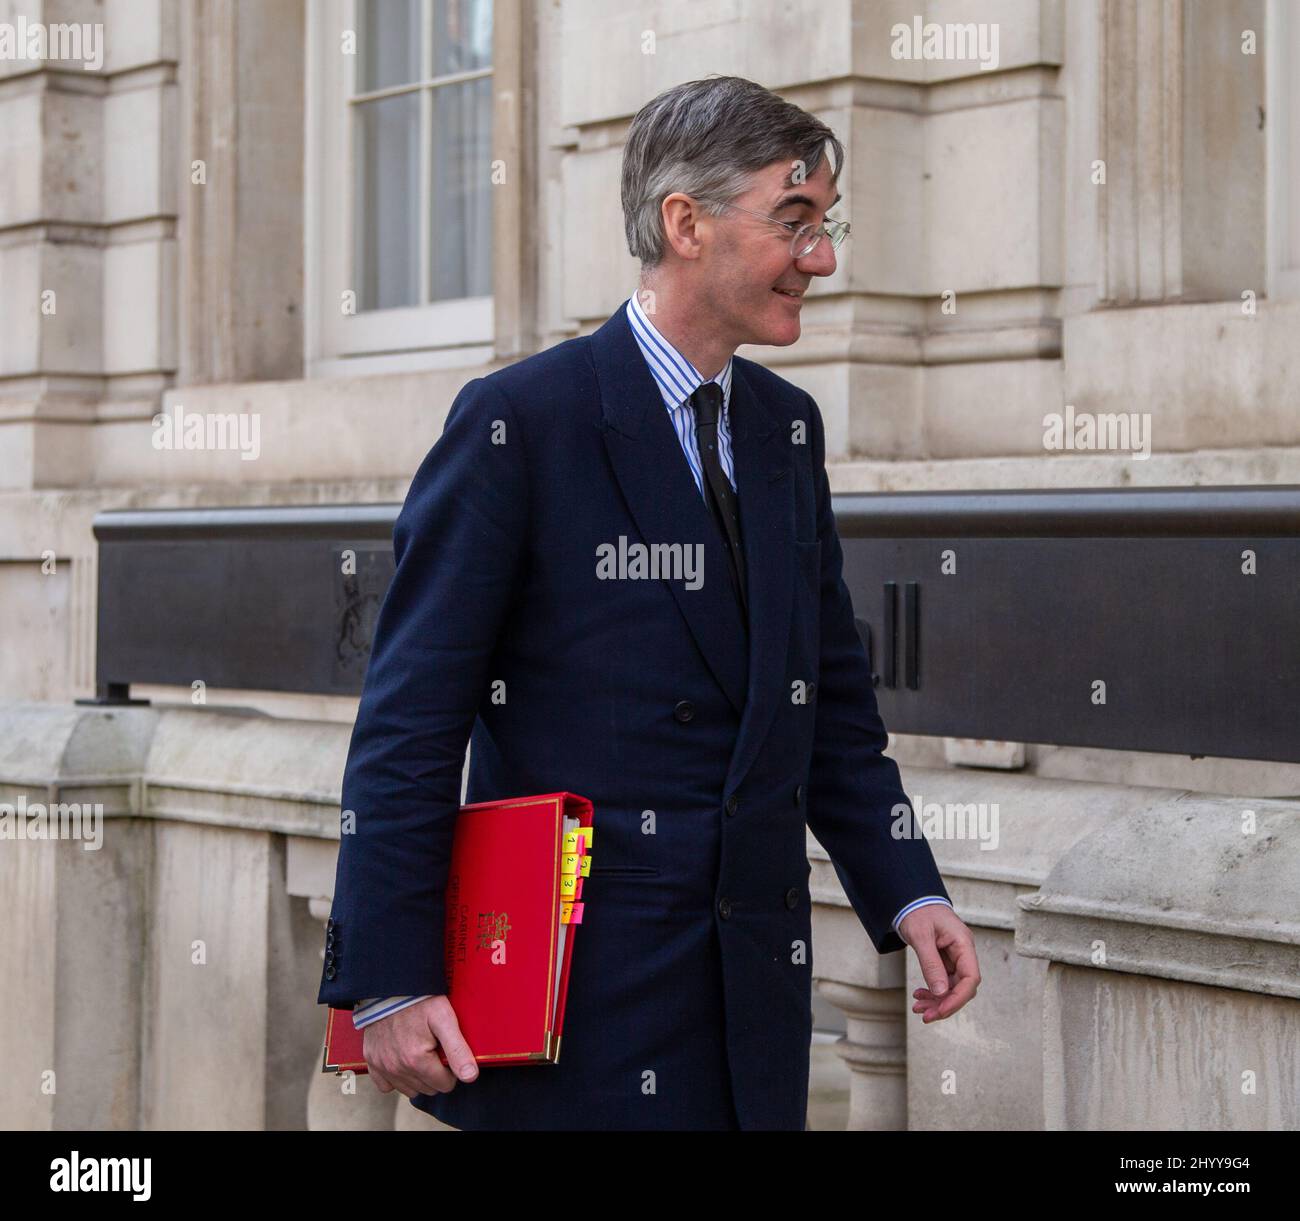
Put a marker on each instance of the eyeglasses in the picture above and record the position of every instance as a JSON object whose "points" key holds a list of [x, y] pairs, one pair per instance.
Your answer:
{"points": [[805, 237]]}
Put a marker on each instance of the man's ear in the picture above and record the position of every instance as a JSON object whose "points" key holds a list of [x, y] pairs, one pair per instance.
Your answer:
{"points": [[681, 216]]}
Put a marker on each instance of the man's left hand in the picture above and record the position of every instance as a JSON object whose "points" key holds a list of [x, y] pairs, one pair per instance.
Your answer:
{"points": [[945, 948]]}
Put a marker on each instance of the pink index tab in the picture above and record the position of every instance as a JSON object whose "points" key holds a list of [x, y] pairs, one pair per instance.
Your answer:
{"points": [[578, 840], [574, 913]]}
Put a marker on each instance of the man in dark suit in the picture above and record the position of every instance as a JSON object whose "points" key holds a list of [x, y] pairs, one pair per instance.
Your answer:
{"points": [[618, 574]]}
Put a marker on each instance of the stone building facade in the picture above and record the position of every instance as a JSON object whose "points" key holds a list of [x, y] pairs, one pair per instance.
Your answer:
{"points": [[1093, 209]]}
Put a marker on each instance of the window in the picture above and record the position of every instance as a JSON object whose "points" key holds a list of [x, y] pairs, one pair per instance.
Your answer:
{"points": [[1283, 125], [400, 195]]}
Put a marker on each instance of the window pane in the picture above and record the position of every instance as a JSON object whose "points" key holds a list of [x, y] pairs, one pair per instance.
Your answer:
{"points": [[461, 190], [387, 202], [389, 43], [462, 35]]}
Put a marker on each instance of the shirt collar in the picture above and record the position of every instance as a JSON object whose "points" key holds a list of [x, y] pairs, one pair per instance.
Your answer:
{"points": [[675, 376]]}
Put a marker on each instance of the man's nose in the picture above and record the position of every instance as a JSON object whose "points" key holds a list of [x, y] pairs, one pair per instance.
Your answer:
{"points": [[820, 261]]}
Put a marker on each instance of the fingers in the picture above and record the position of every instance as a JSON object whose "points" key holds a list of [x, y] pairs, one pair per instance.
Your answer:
{"points": [[929, 943], [401, 1051], [417, 1077], [932, 967], [932, 1006], [446, 1029], [961, 984], [425, 1075], [936, 1008], [928, 995], [402, 1055]]}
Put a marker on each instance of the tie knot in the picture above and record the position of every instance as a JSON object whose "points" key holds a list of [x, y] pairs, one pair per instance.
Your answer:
{"points": [[707, 401]]}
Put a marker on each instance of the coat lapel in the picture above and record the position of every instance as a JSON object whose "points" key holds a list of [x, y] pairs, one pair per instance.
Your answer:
{"points": [[765, 490], [667, 507], [663, 499]]}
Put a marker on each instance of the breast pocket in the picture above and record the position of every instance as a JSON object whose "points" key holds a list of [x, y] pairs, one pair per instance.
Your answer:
{"points": [[623, 871]]}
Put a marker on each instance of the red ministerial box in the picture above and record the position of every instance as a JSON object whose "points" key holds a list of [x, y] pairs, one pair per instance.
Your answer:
{"points": [[507, 950]]}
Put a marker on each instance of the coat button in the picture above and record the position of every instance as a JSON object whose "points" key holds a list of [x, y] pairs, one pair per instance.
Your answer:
{"points": [[329, 925], [733, 803], [792, 898], [329, 958], [330, 938], [684, 711], [330, 972], [798, 794], [724, 908]]}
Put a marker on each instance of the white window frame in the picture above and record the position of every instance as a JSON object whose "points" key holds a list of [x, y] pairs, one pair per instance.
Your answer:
{"points": [[1282, 43], [440, 335]]}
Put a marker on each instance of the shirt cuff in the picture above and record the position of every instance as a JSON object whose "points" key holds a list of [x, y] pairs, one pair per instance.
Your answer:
{"points": [[379, 1007], [915, 903]]}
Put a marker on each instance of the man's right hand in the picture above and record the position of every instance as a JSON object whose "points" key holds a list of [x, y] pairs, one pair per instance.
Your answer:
{"points": [[401, 1050]]}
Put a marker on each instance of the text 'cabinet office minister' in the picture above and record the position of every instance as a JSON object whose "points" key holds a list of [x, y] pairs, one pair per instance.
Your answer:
{"points": [[733, 700]]}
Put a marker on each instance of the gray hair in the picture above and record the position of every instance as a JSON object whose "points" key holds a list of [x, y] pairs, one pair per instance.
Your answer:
{"points": [[707, 138]]}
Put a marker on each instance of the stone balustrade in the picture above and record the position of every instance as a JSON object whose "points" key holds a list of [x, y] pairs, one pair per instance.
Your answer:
{"points": [[1138, 946]]}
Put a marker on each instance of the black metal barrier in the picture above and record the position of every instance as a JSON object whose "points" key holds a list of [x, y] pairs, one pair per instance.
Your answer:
{"points": [[268, 599], [1160, 619], [1013, 615]]}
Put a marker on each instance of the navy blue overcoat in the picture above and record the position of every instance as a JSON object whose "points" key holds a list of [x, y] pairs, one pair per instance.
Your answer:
{"points": [[705, 749]]}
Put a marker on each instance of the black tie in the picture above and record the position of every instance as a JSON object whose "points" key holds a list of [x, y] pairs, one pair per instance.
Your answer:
{"points": [[707, 402]]}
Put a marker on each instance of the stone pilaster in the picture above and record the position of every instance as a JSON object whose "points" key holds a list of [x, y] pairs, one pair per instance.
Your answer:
{"points": [[241, 281], [1182, 211]]}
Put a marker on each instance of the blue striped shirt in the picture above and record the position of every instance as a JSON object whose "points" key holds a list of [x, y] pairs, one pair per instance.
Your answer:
{"points": [[677, 380]]}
